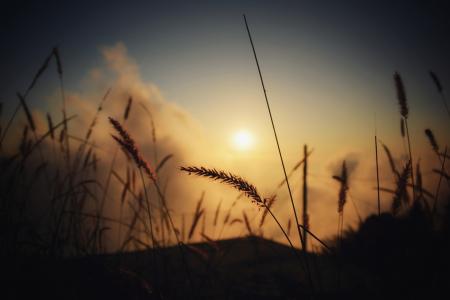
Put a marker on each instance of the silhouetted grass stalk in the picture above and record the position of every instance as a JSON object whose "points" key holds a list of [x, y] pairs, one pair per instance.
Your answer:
{"points": [[152, 237], [411, 160], [63, 98], [30, 87], [280, 154], [129, 145], [305, 197], [316, 238], [404, 112], [378, 176], [32, 125], [243, 186], [179, 243], [440, 90], [439, 183], [434, 145]]}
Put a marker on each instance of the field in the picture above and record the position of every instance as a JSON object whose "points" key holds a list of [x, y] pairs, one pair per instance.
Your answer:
{"points": [[79, 219]]}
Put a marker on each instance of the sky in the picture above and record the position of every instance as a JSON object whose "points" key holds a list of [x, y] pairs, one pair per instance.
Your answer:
{"points": [[314, 54], [327, 66]]}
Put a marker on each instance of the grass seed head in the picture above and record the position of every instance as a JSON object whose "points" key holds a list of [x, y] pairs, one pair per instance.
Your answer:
{"points": [[401, 95]]}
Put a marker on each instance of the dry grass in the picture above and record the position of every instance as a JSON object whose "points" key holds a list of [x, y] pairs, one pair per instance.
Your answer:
{"points": [[235, 181], [391, 161], [440, 90], [247, 223], [401, 96], [30, 119], [76, 223], [401, 193], [432, 141], [128, 144], [126, 113], [404, 112], [343, 180], [270, 202], [216, 214], [199, 211]]}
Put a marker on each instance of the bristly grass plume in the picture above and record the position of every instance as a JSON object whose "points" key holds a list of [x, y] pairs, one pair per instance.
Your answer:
{"points": [[432, 140], [129, 146], [343, 180], [401, 193], [235, 181], [401, 95], [404, 111]]}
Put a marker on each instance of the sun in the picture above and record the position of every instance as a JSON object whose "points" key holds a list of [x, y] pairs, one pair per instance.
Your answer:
{"points": [[242, 140]]}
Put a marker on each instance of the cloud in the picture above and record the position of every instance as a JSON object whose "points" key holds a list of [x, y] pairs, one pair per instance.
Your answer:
{"points": [[178, 133], [159, 127]]}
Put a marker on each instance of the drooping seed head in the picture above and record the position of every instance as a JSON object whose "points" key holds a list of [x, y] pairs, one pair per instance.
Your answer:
{"points": [[58, 61], [402, 127], [127, 108], [436, 81], [233, 180], [127, 143], [27, 112], [432, 140], [50, 126]]}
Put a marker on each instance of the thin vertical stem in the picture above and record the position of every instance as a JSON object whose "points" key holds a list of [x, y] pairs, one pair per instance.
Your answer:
{"points": [[11, 119], [279, 151], [444, 100], [439, 183], [339, 265], [8, 125], [305, 196], [411, 161], [147, 201], [176, 233], [274, 130], [64, 112], [285, 235], [378, 176]]}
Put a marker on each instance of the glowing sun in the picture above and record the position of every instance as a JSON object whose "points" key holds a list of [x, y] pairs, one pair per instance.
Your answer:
{"points": [[242, 140]]}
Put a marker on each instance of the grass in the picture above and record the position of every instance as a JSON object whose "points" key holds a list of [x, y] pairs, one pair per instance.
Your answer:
{"points": [[75, 222]]}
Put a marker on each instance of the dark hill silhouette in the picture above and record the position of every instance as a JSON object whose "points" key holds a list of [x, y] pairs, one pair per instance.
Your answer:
{"points": [[386, 257]]}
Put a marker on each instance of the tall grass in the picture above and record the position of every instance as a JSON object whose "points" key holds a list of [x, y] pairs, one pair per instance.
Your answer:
{"points": [[404, 112], [440, 90], [76, 224], [342, 197], [129, 146], [302, 241], [378, 175], [241, 185], [305, 197]]}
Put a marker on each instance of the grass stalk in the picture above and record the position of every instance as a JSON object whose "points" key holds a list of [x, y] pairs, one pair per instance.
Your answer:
{"points": [[410, 160], [439, 184], [440, 90], [152, 237], [128, 144], [280, 154], [305, 197], [378, 176]]}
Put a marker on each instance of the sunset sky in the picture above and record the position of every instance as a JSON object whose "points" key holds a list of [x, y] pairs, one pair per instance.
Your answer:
{"points": [[324, 63], [327, 66]]}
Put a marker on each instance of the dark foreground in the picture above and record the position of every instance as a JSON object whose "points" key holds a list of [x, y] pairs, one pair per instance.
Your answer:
{"points": [[386, 258]]}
